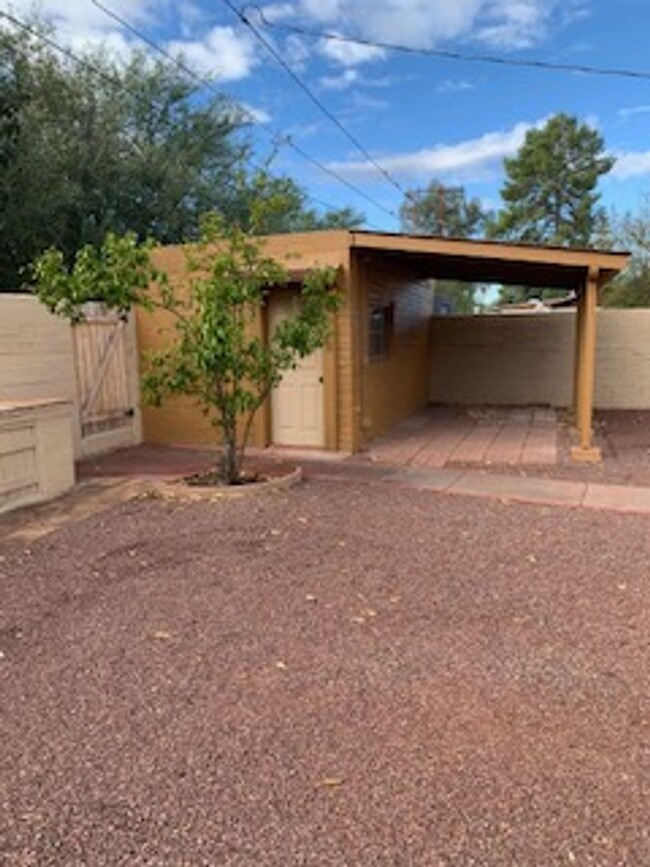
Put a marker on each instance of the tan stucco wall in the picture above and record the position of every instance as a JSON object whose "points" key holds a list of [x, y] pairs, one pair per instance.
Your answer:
{"points": [[394, 387], [37, 362], [528, 359], [179, 420]]}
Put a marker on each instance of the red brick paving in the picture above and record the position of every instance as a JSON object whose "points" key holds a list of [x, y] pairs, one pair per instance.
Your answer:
{"points": [[437, 436]]}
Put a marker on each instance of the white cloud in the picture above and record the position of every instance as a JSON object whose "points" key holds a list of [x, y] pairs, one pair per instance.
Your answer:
{"points": [[76, 21], [223, 54], [323, 10], [278, 11], [296, 52], [339, 82], [473, 159], [349, 53], [452, 85], [508, 24], [84, 25], [514, 23], [258, 114], [359, 102], [633, 111], [631, 164]]}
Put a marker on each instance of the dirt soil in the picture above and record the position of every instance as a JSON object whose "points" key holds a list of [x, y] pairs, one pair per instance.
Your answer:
{"points": [[348, 673]]}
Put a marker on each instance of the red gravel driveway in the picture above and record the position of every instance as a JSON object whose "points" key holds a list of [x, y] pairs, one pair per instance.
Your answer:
{"points": [[349, 673]]}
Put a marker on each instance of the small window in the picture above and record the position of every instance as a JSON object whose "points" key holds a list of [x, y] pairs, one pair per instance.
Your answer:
{"points": [[380, 331]]}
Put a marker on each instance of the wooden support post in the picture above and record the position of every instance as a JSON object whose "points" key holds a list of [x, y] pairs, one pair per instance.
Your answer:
{"points": [[580, 303], [585, 374]]}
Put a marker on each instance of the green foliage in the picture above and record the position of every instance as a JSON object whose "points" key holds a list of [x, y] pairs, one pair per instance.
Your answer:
{"points": [[440, 210], [218, 356], [446, 211], [292, 213], [117, 274], [550, 189], [113, 146], [628, 290], [632, 287], [107, 146]]}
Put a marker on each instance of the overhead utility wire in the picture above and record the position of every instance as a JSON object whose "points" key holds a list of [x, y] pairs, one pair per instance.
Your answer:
{"points": [[241, 14], [547, 65], [281, 137], [66, 52], [84, 62]]}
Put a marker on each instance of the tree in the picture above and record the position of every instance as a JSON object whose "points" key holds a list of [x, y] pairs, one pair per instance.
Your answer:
{"points": [[447, 211], [216, 357], [105, 146], [632, 287], [292, 213], [440, 210], [112, 146], [550, 189]]}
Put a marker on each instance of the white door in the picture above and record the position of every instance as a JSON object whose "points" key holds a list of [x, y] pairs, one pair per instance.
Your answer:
{"points": [[297, 403]]}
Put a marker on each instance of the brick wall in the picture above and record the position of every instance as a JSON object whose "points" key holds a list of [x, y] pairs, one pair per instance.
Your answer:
{"points": [[397, 385]]}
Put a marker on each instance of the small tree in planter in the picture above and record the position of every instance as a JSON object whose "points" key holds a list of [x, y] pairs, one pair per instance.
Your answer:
{"points": [[216, 356]]}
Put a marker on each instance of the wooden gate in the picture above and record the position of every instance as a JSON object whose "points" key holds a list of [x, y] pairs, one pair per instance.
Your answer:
{"points": [[101, 362]]}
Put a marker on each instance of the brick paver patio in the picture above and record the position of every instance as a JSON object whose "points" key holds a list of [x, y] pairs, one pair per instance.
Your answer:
{"points": [[439, 436]]}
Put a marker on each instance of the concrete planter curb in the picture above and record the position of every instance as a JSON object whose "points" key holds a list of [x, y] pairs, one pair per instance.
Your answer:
{"points": [[180, 490]]}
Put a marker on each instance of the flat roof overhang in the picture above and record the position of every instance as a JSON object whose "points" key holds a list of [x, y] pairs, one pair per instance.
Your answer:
{"points": [[478, 261]]}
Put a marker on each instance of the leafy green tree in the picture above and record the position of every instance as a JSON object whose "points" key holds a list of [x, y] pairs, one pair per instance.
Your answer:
{"points": [[441, 210], [550, 194], [216, 357], [117, 274], [447, 211], [292, 213], [632, 287], [106, 146]]}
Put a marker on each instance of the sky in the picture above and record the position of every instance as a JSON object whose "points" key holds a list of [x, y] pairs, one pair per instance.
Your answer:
{"points": [[418, 117]]}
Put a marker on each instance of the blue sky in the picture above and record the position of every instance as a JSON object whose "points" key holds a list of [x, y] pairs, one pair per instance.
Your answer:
{"points": [[420, 117]]}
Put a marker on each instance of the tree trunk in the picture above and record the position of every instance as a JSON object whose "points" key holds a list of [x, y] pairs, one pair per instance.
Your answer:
{"points": [[230, 461]]}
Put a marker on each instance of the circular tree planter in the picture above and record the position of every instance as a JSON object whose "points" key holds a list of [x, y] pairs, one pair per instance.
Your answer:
{"points": [[202, 487]]}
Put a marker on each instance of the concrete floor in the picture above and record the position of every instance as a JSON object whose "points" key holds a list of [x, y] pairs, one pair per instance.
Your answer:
{"points": [[440, 436]]}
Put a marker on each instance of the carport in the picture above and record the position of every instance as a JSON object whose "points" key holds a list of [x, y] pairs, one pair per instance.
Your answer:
{"points": [[581, 270]]}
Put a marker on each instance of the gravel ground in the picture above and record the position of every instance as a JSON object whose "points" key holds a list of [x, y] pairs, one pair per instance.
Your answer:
{"points": [[349, 673]]}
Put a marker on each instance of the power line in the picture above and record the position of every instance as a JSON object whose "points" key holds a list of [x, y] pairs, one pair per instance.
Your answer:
{"points": [[66, 52], [277, 137], [546, 65], [118, 85], [316, 101]]}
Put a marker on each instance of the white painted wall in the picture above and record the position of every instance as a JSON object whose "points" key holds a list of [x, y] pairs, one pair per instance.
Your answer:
{"points": [[528, 359]]}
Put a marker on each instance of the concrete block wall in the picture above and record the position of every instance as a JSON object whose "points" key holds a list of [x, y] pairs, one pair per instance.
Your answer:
{"points": [[528, 359]]}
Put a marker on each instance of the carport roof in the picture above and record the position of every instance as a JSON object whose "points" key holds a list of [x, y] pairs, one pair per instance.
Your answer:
{"points": [[479, 261]]}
